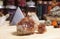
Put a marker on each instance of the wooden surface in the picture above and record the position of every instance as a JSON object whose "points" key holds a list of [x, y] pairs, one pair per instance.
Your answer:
{"points": [[51, 18], [9, 32]]}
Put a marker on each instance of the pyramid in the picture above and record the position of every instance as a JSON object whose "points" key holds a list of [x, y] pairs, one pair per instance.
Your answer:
{"points": [[17, 17], [34, 17]]}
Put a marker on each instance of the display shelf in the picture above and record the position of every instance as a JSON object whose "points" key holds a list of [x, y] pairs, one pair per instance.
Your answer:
{"points": [[2, 7], [52, 18], [11, 7]]}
